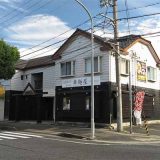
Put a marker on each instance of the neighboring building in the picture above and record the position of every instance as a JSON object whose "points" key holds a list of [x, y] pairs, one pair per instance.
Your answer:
{"points": [[32, 90], [67, 78]]}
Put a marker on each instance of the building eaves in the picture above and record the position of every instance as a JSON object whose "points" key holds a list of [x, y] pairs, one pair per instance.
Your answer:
{"points": [[35, 63]]}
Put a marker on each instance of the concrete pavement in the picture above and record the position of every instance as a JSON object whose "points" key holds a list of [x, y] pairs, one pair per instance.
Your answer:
{"points": [[82, 131]]}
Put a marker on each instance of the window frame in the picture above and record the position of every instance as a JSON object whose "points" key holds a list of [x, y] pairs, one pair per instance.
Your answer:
{"points": [[72, 71], [151, 78], [127, 63], [99, 64]]}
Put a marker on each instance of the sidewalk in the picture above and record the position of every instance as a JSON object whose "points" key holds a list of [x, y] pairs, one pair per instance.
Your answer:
{"points": [[80, 131]]}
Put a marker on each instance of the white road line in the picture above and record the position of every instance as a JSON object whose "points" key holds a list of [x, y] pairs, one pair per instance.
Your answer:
{"points": [[6, 137], [11, 135], [23, 134]]}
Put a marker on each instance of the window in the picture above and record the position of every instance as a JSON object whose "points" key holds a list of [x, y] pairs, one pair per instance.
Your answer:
{"points": [[124, 66], [68, 68], [151, 73], [66, 103], [37, 81], [87, 103], [38, 84], [21, 77], [97, 65]]}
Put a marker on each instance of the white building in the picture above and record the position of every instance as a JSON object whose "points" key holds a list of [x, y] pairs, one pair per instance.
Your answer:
{"points": [[67, 78]]}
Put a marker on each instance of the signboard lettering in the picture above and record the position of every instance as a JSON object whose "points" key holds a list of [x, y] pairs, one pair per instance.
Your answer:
{"points": [[78, 82]]}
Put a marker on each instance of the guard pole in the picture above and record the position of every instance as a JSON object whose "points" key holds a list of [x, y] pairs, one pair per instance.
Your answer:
{"points": [[145, 124], [146, 127]]}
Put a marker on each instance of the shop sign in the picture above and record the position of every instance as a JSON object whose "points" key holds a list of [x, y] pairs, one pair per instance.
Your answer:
{"points": [[78, 82], [139, 98], [141, 71]]}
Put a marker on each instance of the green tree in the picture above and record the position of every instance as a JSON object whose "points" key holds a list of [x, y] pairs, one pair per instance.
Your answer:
{"points": [[8, 58]]}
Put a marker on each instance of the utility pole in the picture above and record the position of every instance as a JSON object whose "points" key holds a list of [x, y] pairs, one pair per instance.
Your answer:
{"points": [[130, 95], [114, 21], [118, 76]]}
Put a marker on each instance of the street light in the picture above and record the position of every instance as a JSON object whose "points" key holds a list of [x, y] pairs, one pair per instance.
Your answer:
{"points": [[92, 71]]}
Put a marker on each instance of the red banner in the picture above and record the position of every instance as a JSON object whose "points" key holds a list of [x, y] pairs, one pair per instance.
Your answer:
{"points": [[139, 98]]}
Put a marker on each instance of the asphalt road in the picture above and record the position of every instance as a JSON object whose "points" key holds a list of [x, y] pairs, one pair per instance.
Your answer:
{"points": [[58, 148]]}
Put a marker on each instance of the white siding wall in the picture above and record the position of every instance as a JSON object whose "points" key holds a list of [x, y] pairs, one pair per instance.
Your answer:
{"points": [[75, 52], [143, 54], [52, 75], [16, 82], [48, 80]]}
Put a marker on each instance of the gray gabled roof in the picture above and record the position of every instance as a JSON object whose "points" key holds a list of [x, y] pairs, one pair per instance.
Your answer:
{"points": [[35, 63]]}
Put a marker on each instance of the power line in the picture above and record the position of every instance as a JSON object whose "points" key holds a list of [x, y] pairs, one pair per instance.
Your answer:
{"points": [[71, 58], [16, 16], [69, 51], [48, 45], [72, 50], [76, 26], [140, 16], [55, 48], [127, 14], [134, 8], [14, 10]]}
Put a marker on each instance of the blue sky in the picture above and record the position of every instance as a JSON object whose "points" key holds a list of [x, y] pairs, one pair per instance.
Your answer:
{"points": [[26, 23]]}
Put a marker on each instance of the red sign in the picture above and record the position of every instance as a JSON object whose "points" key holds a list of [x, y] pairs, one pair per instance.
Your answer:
{"points": [[139, 100]]}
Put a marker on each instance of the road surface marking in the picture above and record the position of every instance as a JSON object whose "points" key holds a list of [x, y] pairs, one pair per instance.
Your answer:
{"points": [[23, 134], [6, 137], [11, 135]]}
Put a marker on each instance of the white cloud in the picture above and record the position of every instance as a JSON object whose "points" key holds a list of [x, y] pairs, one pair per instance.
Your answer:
{"points": [[9, 1], [144, 10], [148, 27], [36, 29], [39, 28], [44, 52], [2, 7]]}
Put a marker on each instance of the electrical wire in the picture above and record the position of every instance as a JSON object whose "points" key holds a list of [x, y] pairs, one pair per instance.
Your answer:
{"points": [[17, 18], [134, 8], [47, 46], [140, 16], [67, 31], [14, 10]]}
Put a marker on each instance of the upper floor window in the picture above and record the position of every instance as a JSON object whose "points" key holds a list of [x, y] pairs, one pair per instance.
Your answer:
{"points": [[37, 81], [151, 74], [124, 66], [97, 65], [68, 68]]}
